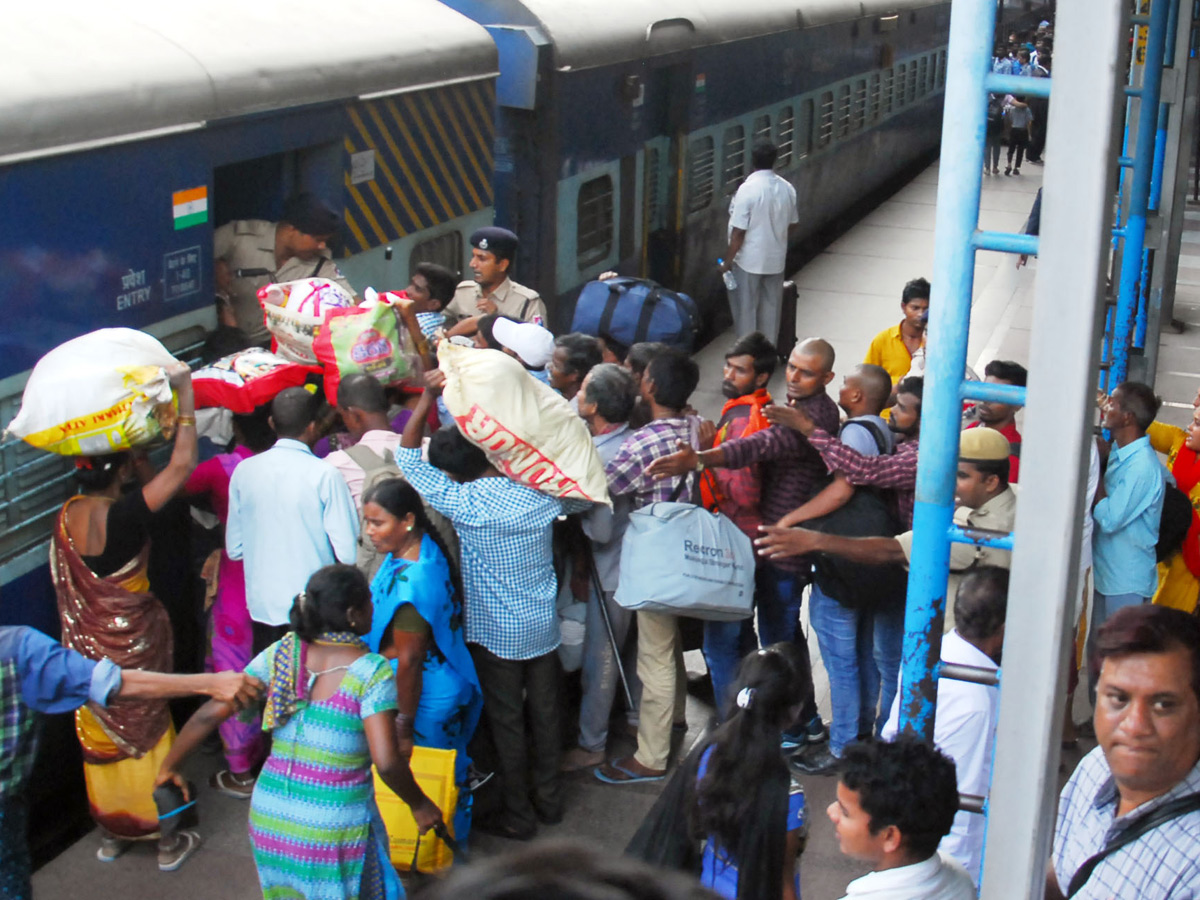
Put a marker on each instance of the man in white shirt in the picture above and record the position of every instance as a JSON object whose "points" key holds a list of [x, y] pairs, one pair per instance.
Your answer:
{"points": [[363, 405], [895, 801], [762, 213], [965, 728]]}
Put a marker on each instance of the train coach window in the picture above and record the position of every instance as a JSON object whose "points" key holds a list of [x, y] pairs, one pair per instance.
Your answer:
{"points": [[911, 93], [594, 226], [825, 132], [885, 91], [843, 111], [900, 85], [762, 130], [445, 250], [941, 69], [923, 78], [804, 129], [701, 173], [733, 158], [859, 115], [785, 137], [873, 101]]}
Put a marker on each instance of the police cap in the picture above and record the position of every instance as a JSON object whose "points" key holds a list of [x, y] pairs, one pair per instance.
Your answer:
{"points": [[499, 241], [309, 214], [983, 444]]}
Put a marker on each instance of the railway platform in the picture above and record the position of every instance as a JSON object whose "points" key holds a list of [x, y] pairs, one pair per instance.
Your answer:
{"points": [[847, 293]]}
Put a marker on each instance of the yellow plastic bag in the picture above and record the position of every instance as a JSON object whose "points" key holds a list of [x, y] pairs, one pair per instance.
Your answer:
{"points": [[434, 771], [99, 393]]}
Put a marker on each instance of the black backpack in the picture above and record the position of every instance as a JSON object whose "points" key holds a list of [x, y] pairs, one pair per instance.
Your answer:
{"points": [[1175, 522]]}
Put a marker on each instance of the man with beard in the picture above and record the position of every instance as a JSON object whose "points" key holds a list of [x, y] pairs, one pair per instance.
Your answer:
{"points": [[749, 365], [1002, 416], [792, 471]]}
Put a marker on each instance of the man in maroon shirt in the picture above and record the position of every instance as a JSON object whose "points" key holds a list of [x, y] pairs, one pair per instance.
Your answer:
{"points": [[1002, 416], [792, 472]]}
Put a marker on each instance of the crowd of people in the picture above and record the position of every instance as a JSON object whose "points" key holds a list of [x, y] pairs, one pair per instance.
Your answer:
{"points": [[1019, 122], [380, 585]]}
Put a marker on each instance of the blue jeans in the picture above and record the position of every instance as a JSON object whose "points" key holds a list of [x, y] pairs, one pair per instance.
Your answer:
{"points": [[1103, 606], [778, 597], [861, 650], [725, 643]]}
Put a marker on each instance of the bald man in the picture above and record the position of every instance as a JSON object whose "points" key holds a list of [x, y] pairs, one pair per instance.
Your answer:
{"points": [[792, 472]]}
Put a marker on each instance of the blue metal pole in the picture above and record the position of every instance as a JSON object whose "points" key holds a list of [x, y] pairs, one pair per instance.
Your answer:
{"points": [[964, 121], [1139, 193]]}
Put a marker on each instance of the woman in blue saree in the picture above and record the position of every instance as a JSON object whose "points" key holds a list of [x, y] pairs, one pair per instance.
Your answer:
{"points": [[417, 625]]}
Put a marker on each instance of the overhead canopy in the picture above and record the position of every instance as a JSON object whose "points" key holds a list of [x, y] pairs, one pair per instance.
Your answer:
{"points": [[76, 74], [604, 32]]}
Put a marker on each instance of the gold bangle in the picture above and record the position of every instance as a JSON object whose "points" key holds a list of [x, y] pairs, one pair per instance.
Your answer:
{"points": [[184, 421]]}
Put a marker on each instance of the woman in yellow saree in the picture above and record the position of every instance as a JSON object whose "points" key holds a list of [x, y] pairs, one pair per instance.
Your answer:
{"points": [[1179, 575], [99, 562]]}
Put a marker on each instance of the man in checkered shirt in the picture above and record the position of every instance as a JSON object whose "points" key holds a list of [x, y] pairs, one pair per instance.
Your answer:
{"points": [[510, 596], [1148, 726], [666, 387]]}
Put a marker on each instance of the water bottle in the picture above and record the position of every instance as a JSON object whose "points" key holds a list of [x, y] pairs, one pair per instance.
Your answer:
{"points": [[727, 277]]}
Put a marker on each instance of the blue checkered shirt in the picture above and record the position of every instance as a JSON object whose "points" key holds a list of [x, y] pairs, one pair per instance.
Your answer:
{"points": [[1163, 864], [507, 563]]}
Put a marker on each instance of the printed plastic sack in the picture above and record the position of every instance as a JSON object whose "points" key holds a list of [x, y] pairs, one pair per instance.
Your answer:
{"points": [[294, 312], [369, 339], [99, 393], [528, 431], [245, 380]]}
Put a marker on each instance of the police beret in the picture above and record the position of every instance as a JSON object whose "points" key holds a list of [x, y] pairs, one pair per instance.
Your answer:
{"points": [[310, 214], [983, 444], [499, 241]]}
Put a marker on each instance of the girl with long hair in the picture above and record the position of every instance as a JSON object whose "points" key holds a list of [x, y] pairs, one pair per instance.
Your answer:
{"points": [[735, 793], [331, 711], [417, 625]]}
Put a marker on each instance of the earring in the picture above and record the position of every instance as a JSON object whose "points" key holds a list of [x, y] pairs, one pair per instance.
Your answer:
{"points": [[409, 528]]}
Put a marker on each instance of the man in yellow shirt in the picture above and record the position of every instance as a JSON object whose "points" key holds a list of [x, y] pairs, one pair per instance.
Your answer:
{"points": [[893, 348]]}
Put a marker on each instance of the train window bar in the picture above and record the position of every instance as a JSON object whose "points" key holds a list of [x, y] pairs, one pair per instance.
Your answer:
{"points": [[701, 173]]}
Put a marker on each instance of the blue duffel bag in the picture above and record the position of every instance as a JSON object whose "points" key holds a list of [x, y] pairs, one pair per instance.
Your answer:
{"points": [[633, 310]]}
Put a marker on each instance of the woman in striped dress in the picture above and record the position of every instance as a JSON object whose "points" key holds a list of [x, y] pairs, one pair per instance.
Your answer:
{"points": [[331, 711]]}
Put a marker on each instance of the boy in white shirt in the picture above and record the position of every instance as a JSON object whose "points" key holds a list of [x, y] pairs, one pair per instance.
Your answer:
{"points": [[895, 802]]}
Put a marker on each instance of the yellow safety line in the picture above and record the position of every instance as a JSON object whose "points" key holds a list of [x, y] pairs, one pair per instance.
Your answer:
{"points": [[438, 158], [456, 158]]}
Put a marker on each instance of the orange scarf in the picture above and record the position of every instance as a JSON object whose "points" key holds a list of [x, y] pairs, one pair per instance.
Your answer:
{"points": [[711, 494]]}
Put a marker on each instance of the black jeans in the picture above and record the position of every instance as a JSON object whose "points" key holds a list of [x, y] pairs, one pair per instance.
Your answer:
{"points": [[528, 770], [1018, 140]]}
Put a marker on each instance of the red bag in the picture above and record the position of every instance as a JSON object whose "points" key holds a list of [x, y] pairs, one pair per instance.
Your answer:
{"points": [[247, 379], [371, 340]]}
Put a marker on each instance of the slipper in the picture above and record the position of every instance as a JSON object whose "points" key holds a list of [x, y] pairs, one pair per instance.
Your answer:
{"points": [[187, 843], [224, 782], [629, 776]]}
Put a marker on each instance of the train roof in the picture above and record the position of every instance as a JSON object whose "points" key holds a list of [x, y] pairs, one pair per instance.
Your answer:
{"points": [[79, 75], [604, 32]]}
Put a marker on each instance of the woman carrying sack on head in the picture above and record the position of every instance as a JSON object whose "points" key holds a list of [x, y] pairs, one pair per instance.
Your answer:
{"points": [[331, 710], [418, 625], [99, 559], [736, 795]]}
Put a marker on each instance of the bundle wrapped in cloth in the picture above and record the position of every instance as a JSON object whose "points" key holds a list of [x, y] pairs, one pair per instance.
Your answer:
{"points": [[294, 312], [99, 393], [528, 431], [247, 379]]}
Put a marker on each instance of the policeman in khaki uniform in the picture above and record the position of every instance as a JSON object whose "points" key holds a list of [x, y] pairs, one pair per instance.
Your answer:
{"points": [[250, 253], [492, 291]]}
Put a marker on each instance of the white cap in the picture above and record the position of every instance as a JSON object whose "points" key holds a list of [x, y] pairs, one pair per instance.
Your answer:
{"points": [[533, 344]]}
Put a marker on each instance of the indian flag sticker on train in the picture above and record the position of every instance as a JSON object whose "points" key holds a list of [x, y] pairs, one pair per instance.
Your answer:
{"points": [[191, 207]]}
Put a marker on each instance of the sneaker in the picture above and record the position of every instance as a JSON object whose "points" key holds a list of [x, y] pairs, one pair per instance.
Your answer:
{"points": [[186, 843], [817, 761], [1016, 171], [1008, 170], [111, 847], [995, 170], [987, 171], [814, 732]]}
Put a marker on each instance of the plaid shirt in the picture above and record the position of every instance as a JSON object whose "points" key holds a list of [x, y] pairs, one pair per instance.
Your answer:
{"points": [[897, 472], [37, 674], [507, 563], [1163, 864], [626, 471]]}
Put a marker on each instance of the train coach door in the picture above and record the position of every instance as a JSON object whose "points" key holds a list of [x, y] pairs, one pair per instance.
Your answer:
{"points": [[666, 115]]}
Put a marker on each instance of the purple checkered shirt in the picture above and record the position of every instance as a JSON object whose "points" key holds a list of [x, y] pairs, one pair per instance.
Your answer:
{"points": [[627, 470], [897, 473]]}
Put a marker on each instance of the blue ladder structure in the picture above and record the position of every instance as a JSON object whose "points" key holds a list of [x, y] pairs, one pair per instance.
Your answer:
{"points": [[1064, 354]]}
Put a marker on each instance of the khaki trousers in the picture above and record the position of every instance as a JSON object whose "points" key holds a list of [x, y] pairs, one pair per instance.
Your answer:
{"points": [[664, 687]]}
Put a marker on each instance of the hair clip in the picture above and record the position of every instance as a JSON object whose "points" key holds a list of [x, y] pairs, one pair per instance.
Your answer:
{"points": [[745, 697]]}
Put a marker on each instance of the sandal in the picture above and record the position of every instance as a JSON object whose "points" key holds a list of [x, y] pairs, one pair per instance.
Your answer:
{"points": [[186, 843], [111, 847], [226, 782], [613, 772]]}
